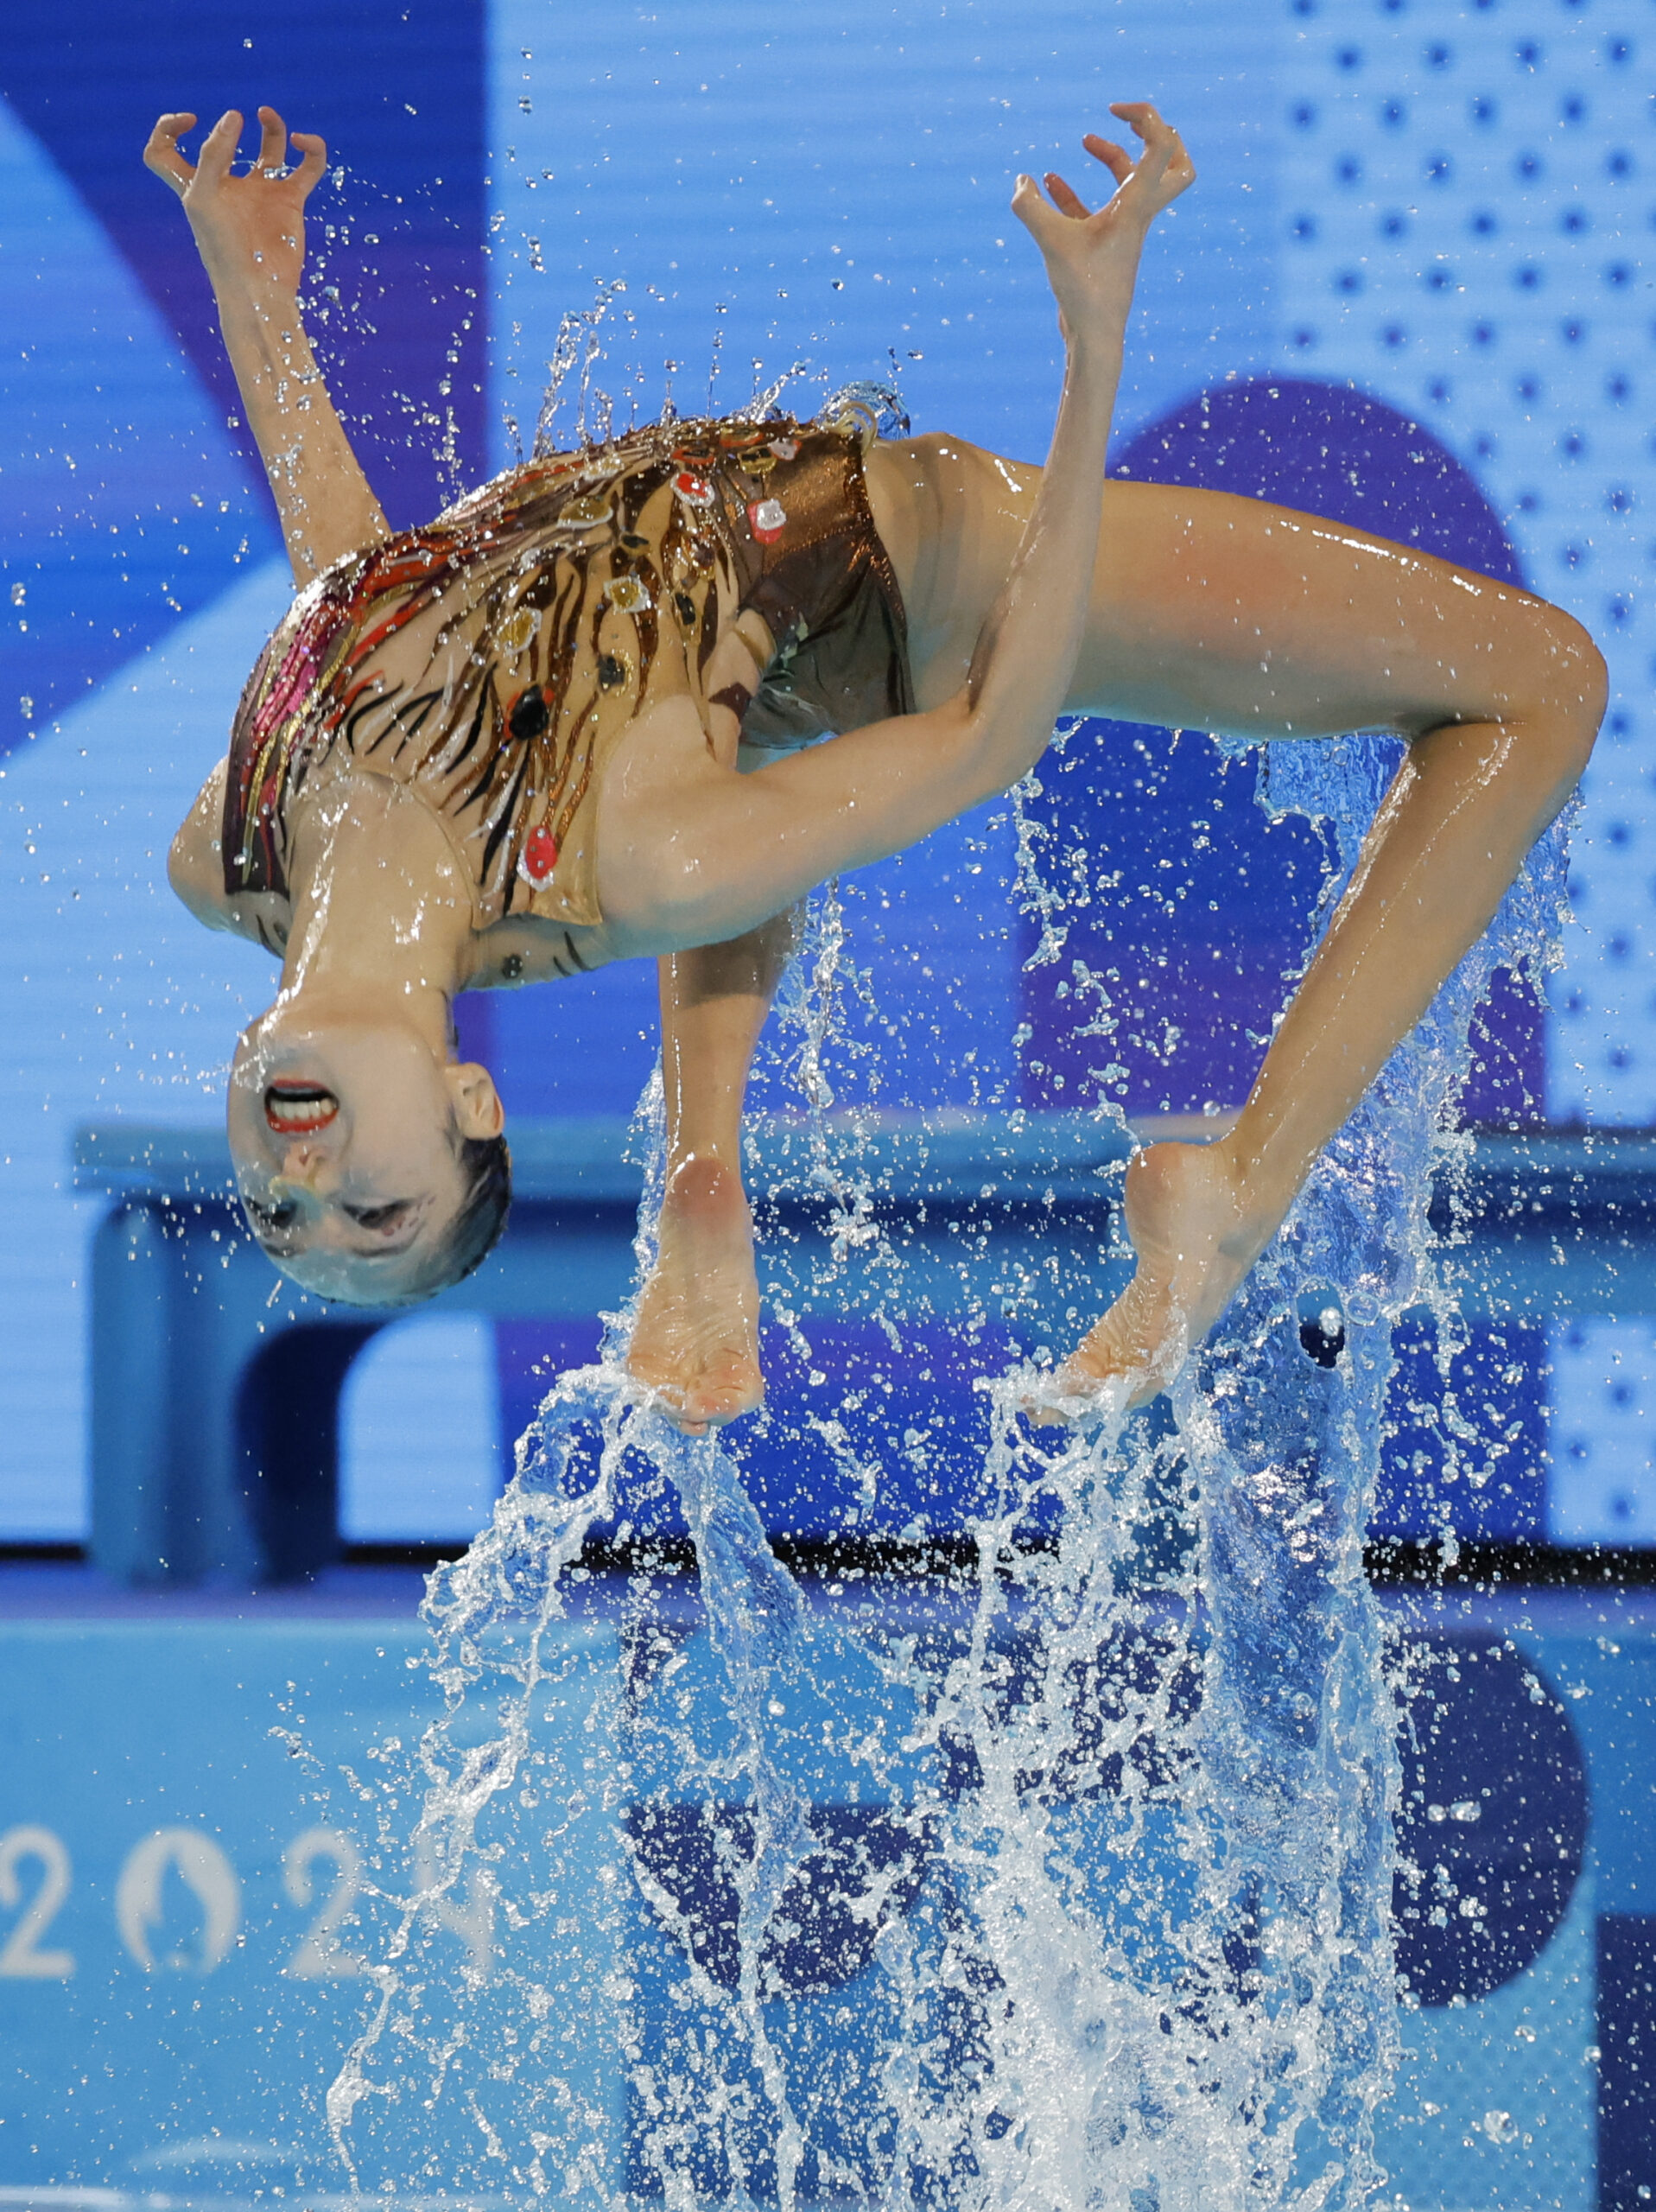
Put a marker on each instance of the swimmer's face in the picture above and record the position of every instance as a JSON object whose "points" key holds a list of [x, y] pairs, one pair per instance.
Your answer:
{"points": [[345, 1139]]}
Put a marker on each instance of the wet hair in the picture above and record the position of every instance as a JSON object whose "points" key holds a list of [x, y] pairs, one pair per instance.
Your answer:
{"points": [[480, 1219]]}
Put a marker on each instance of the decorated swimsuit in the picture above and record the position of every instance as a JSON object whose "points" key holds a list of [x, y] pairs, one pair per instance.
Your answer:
{"points": [[552, 605]]}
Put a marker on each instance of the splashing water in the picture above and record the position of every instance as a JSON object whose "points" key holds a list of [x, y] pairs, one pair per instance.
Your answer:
{"points": [[1065, 1883], [587, 416]]}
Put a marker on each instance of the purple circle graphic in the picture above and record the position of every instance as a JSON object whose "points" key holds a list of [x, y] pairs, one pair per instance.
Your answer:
{"points": [[1329, 450]]}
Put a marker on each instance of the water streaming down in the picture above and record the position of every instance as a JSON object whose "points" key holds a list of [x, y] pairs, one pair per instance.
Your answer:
{"points": [[1065, 1882]]}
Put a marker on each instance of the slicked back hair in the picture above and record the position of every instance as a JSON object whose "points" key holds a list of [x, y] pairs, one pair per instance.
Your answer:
{"points": [[480, 1219]]}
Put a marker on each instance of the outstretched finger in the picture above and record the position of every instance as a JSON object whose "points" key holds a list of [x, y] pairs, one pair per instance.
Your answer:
{"points": [[1066, 201], [1156, 160], [1116, 159], [1153, 165], [273, 141], [161, 156], [1139, 117], [218, 147], [1164, 148], [310, 170]]}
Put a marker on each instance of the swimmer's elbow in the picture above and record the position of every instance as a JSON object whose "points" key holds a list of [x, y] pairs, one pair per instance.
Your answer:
{"points": [[999, 746]]}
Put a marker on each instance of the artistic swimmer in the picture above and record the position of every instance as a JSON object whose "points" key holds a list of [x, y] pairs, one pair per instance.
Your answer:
{"points": [[570, 722]]}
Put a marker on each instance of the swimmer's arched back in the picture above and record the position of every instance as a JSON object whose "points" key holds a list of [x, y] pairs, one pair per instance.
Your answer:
{"points": [[1003, 595]]}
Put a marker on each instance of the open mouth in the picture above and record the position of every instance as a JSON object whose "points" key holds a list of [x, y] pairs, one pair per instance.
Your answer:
{"points": [[297, 1109]]}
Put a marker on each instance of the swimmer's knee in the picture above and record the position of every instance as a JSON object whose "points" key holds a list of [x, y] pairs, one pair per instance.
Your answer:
{"points": [[1552, 689], [1591, 682], [1571, 686]]}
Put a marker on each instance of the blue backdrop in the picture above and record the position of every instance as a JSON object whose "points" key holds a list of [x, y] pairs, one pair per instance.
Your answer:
{"points": [[1416, 242]]}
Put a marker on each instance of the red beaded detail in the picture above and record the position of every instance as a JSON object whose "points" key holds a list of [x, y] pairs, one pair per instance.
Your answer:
{"points": [[539, 856]]}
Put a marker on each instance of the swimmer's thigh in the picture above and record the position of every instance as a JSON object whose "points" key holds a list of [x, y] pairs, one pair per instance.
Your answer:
{"points": [[1218, 612], [1236, 614]]}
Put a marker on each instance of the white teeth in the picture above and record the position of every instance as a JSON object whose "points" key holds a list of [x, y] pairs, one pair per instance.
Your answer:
{"points": [[289, 1110]]}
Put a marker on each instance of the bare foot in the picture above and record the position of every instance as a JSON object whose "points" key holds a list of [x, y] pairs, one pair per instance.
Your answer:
{"points": [[695, 1341], [1196, 1240]]}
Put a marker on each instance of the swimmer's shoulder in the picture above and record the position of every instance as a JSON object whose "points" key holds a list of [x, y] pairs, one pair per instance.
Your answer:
{"points": [[529, 949]]}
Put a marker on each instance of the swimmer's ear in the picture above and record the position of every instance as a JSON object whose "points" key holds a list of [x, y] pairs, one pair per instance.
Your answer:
{"points": [[478, 1111]]}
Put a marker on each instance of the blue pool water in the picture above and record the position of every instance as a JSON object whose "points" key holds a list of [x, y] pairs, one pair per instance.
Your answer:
{"points": [[203, 2075]]}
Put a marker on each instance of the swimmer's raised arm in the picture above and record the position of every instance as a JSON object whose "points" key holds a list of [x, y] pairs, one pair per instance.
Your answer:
{"points": [[250, 232], [707, 852], [1025, 656]]}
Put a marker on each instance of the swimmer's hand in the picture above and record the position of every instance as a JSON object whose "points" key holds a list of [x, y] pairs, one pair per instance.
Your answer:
{"points": [[249, 230], [696, 1341], [1195, 1235], [1092, 259]]}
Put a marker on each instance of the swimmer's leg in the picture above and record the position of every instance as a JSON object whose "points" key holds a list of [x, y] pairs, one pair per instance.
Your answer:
{"points": [[696, 1339], [1235, 615], [1224, 613]]}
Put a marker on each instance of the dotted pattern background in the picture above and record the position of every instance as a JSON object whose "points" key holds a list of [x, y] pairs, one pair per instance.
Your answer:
{"points": [[1467, 193], [1602, 1484]]}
